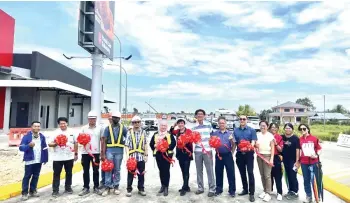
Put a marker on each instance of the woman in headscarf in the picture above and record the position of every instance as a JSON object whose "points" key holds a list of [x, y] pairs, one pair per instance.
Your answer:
{"points": [[309, 158], [276, 172], [184, 157], [162, 163], [291, 154]]}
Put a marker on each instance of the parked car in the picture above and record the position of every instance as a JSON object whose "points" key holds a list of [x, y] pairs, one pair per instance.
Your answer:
{"points": [[164, 117], [253, 122], [214, 123], [173, 117], [149, 122]]}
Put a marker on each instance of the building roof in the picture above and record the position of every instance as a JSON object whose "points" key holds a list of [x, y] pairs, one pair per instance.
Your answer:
{"points": [[299, 114], [49, 84], [329, 116], [290, 104]]}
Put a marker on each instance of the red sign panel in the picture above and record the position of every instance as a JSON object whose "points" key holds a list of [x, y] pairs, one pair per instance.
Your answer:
{"points": [[7, 32]]}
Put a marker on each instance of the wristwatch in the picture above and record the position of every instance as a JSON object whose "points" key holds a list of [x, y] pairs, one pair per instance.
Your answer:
{"points": [[75, 154]]}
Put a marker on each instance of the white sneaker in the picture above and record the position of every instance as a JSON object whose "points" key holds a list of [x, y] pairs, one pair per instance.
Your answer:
{"points": [[267, 198], [279, 197], [262, 195], [116, 191], [128, 194]]}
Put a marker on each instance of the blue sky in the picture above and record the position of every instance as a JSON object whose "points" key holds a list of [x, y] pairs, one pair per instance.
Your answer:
{"points": [[207, 55]]}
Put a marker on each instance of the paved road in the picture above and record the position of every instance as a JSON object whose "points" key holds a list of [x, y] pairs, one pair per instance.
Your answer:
{"points": [[152, 185]]}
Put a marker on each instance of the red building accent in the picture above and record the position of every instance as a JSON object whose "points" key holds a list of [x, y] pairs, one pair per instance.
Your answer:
{"points": [[7, 32]]}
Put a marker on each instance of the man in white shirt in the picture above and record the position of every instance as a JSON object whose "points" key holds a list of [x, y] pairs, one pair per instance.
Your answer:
{"points": [[63, 157], [95, 131], [204, 155]]}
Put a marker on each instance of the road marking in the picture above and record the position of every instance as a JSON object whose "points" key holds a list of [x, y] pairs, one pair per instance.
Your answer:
{"points": [[337, 171], [340, 175]]}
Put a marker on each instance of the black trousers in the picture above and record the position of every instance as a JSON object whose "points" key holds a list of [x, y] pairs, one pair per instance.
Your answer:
{"points": [[164, 170], [276, 174], [57, 169], [293, 185], [185, 169], [245, 163], [228, 163], [140, 175], [86, 162]]}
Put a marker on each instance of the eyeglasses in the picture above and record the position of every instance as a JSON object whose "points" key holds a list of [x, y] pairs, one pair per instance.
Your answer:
{"points": [[134, 122], [303, 129], [242, 119]]}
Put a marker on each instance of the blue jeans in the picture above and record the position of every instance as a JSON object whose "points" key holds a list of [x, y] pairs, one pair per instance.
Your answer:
{"points": [[309, 172], [112, 179], [30, 172]]}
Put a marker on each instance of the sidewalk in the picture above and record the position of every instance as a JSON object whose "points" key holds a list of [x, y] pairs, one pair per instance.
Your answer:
{"points": [[152, 184]]}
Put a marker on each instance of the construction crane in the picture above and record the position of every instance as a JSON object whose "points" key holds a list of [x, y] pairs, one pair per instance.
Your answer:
{"points": [[151, 107]]}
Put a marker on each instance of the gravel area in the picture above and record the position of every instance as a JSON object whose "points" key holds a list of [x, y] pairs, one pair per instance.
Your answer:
{"points": [[12, 166]]}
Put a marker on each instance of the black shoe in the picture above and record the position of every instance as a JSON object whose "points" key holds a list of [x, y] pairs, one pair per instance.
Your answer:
{"points": [[68, 191], [54, 194], [198, 192], [211, 194], [165, 191], [244, 192], [217, 193], [182, 193], [186, 190], [161, 189], [232, 194], [251, 198]]}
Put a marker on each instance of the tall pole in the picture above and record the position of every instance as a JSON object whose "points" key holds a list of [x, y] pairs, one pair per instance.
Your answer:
{"points": [[324, 112], [126, 85], [120, 73], [96, 84]]}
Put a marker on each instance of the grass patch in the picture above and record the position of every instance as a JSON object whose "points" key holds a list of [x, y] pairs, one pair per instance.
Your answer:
{"points": [[327, 133]]}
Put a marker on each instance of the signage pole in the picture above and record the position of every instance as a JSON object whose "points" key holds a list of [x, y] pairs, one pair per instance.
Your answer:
{"points": [[96, 85]]}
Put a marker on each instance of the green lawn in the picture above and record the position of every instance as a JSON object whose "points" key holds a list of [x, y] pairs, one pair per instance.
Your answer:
{"points": [[327, 133]]}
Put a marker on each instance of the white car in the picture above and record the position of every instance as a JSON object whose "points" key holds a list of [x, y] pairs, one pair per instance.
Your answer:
{"points": [[253, 122], [149, 121]]}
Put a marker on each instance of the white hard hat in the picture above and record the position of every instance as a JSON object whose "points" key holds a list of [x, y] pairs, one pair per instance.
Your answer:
{"points": [[135, 118], [116, 114], [92, 114]]}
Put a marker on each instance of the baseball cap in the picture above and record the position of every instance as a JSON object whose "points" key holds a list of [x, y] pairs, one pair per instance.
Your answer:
{"points": [[116, 114]]}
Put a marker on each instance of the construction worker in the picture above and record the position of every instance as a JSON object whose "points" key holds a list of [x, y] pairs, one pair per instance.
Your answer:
{"points": [[162, 163], [136, 147], [113, 143], [95, 131]]}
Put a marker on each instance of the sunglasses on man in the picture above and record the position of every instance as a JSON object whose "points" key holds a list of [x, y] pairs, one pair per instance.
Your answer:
{"points": [[134, 122], [242, 119]]}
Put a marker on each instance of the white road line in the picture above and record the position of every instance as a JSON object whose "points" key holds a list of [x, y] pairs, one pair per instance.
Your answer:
{"points": [[337, 172], [340, 175]]}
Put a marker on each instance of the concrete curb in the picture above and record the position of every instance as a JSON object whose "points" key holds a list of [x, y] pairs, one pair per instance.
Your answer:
{"points": [[15, 189], [338, 189]]}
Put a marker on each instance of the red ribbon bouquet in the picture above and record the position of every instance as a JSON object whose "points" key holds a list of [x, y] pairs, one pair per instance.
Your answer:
{"points": [[131, 166], [61, 141], [245, 146], [215, 143], [183, 140], [85, 139], [197, 139], [107, 166], [163, 146]]}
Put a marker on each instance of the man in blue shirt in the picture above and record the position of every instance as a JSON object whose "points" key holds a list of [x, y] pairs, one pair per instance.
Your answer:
{"points": [[225, 151], [113, 143], [245, 160]]}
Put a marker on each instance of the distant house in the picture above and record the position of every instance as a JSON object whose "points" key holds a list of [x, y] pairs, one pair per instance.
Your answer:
{"points": [[290, 112], [329, 116]]}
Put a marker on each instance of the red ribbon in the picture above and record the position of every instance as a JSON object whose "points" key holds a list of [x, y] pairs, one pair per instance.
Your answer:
{"points": [[263, 158], [170, 160]]}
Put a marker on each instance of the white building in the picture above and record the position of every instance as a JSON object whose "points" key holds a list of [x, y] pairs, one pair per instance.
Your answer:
{"points": [[38, 88]]}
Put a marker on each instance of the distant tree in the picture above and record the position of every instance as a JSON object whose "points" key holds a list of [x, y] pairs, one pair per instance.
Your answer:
{"points": [[135, 111], [107, 110], [182, 112], [124, 110], [211, 113], [172, 113], [246, 110], [339, 109], [264, 114], [306, 102]]}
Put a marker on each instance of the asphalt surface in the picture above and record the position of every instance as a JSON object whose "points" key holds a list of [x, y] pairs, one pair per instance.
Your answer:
{"points": [[152, 186]]}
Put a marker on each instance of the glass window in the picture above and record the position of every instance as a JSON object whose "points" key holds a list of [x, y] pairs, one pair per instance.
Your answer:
{"points": [[286, 110]]}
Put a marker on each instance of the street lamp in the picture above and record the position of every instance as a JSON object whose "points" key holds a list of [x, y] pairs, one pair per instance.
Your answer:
{"points": [[126, 85]]}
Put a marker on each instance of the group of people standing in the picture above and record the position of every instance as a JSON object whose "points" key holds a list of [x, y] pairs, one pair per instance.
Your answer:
{"points": [[112, 141]]}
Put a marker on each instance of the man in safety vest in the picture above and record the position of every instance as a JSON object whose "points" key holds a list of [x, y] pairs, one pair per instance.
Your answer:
{"points": [[113, 142], [136, 146]]}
